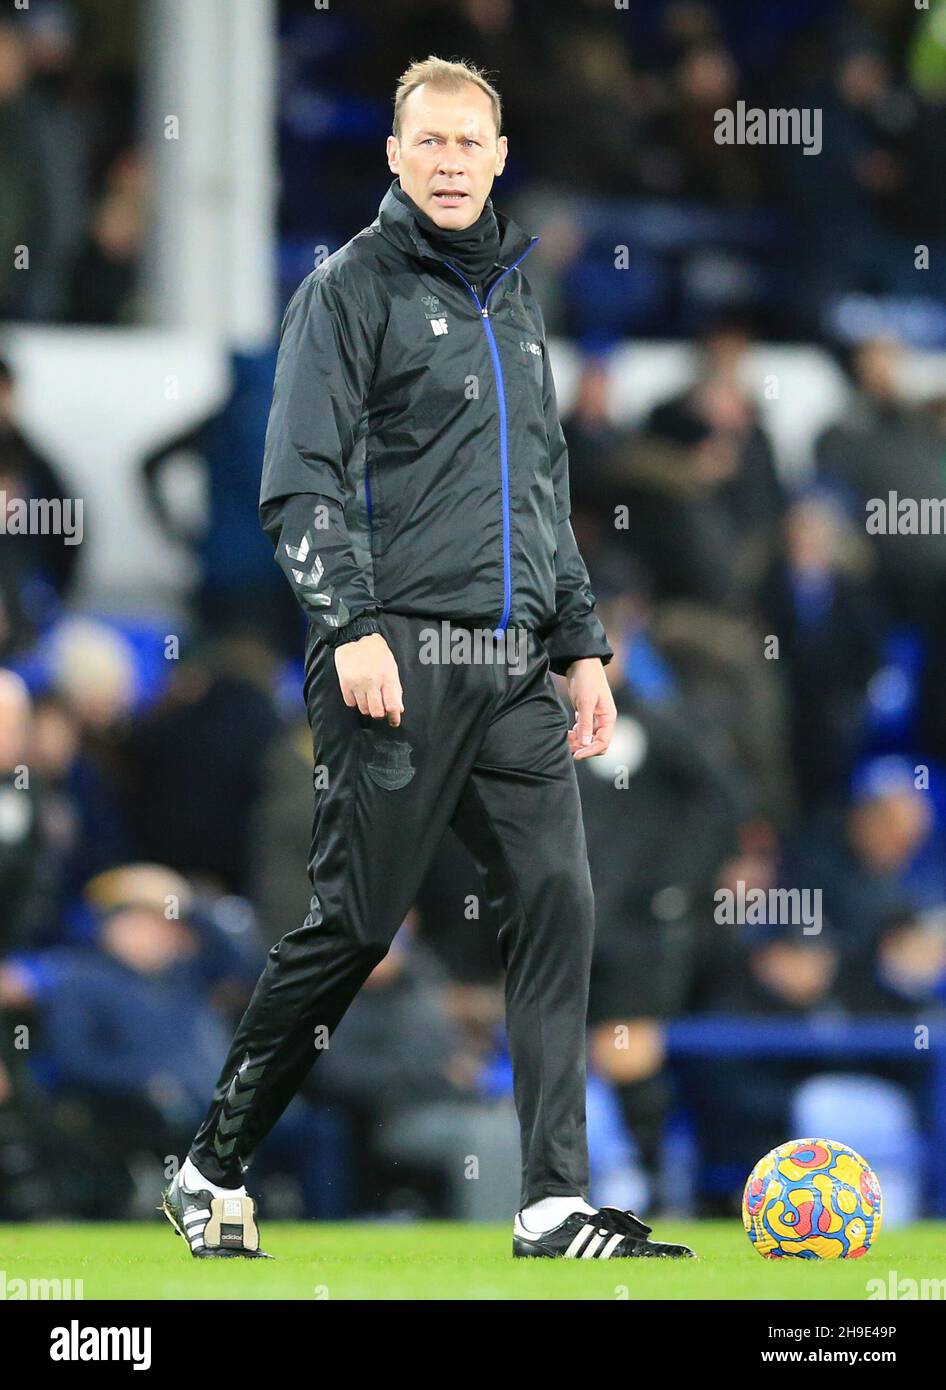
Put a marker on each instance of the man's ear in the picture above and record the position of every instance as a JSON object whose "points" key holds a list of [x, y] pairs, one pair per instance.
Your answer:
{"points": [[502, 150], [393, 150]]}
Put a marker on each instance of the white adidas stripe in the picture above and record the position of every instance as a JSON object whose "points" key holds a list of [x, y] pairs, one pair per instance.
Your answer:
{"points": [[572, 1252], [594, 1244], [600, 1246], [192, 1216]]}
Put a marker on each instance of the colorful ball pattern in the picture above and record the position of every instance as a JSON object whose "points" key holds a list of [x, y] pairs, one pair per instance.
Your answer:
{"points": [[812, 1199]]}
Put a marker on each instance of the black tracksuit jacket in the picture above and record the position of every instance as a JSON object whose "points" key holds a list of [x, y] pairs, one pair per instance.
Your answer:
{"points": [[414, 458]]}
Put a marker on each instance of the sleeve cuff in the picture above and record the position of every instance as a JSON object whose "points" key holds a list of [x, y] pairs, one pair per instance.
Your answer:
{"points": [[363, 626], [575, 641]]}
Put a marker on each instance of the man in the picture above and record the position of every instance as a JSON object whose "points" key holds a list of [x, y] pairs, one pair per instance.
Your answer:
{"points": [[415, 487]]}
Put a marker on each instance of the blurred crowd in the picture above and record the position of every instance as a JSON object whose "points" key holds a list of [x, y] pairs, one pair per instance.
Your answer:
{"points": [[73, 182], [778, 668], [610, 112], [815, 245]]}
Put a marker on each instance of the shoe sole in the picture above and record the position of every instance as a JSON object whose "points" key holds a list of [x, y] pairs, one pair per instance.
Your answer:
{"points": [[526, 1253], [168, 1211]]}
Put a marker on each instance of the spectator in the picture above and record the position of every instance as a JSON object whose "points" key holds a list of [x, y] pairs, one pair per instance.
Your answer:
{"points": [[22, 196], [241, 587], [882, 445], [86, 815], [592, 440], [37, 567], [64, 117], [28, 872], [28, 867], [830, 626], [92, 671], [130, 1037], [860, 857], [700, 486], [197, 761], [104, 276], [686, 160], [902, 972]]}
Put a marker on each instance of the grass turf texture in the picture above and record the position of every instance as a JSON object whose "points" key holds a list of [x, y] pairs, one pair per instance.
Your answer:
{"points": [[444, 1261]]}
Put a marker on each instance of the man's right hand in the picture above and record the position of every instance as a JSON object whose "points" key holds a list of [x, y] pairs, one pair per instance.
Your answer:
{"points": [[368, 676]]}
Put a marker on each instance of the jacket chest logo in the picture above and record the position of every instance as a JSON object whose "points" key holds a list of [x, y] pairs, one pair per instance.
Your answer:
{"points": [[435, 315]]}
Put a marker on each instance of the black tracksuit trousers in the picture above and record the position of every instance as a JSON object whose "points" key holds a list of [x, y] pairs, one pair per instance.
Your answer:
{"points": [[482, 748]]}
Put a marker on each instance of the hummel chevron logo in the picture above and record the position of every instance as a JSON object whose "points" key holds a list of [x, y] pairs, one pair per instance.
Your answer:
{"points": [[231, 1117], [310, 579]]}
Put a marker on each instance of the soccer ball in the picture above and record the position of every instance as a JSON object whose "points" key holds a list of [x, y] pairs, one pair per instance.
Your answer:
{"points": [[812, 1199]]}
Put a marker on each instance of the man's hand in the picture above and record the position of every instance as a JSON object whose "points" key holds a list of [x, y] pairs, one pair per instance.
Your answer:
{"points": [[595, 713], [368, 676]]}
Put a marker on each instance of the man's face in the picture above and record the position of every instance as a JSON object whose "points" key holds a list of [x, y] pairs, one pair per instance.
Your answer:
{"points": [[448, 153]]}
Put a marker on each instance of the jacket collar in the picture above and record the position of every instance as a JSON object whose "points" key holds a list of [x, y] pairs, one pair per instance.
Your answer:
{"points": [[397, 225]]}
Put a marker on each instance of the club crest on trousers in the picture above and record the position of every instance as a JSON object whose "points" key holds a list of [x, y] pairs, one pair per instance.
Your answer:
{"points": [[390, 764]]}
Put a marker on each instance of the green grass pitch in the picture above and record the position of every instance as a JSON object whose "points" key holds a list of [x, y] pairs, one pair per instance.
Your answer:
{"points": [[444, 1261]]}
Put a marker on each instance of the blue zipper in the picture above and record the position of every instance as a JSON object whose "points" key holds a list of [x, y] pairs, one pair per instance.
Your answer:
{"points": [[503, 427]]}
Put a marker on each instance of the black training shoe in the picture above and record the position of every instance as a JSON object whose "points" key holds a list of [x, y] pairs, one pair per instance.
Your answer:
{"points": [[215, 1228], [606, 1234]]}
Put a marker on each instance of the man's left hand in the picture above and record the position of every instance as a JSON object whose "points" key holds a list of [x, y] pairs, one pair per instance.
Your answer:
{"points": [[595, 713]]}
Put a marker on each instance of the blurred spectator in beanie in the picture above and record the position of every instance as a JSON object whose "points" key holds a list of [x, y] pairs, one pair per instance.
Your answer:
{"points": [[699, 482], [830, 626], [861, 857], [884, 445]]}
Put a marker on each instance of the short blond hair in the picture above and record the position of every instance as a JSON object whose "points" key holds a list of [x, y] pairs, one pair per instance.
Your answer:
{"points": [[446, 76]]}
